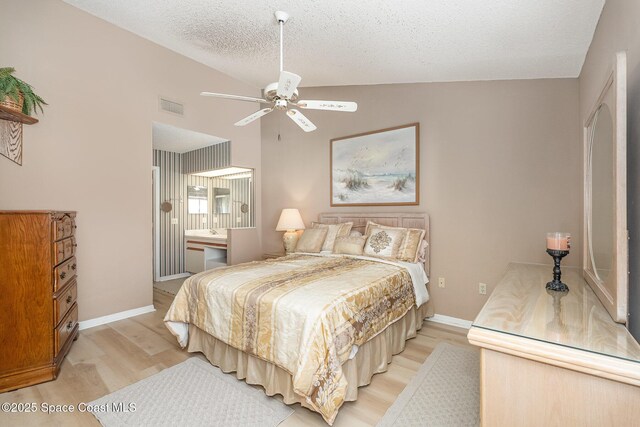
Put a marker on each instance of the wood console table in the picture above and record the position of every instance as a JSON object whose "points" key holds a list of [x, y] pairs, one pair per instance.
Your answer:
{"points": [[553, 360]]}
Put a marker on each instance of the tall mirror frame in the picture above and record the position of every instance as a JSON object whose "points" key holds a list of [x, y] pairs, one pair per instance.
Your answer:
{"points": [[612, 288]]}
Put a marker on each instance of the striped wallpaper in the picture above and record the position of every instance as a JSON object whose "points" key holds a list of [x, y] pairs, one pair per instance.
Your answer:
{"points": [[173, 188], [208, 158]]}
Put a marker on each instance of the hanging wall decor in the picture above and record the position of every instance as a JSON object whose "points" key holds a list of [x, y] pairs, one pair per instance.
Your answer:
{"points": [[11, 140], [376, 168], [17, 102]]}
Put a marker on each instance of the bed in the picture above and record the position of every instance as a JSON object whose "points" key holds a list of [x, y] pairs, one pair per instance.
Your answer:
{"points": [[312, 327]]}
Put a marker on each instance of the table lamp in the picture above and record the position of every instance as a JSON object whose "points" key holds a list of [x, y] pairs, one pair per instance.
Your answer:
{"points": [[290, 221]]}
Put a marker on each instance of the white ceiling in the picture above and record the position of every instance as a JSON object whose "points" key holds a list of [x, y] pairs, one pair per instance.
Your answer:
{"points": [[340, 42], [178, 140]]}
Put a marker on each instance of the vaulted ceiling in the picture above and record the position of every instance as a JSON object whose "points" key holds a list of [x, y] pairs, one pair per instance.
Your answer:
{"points": [[339, 42]]}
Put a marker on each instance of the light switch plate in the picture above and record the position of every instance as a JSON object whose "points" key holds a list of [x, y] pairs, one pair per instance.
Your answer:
{"points": [[174, 221], [482, 288]]}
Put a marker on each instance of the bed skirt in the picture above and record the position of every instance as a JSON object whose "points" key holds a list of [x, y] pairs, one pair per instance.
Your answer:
{"points": [[371, 358]]}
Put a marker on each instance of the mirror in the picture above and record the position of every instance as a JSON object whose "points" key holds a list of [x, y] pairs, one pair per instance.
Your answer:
{"points": [[601, 156], [221, 200], [605, 203], [197, 199], [230, 202]]}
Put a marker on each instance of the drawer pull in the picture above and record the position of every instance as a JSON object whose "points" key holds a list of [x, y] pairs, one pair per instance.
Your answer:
{"points": [[63, 274], [69, 298], [73, 266], [70, 324]]}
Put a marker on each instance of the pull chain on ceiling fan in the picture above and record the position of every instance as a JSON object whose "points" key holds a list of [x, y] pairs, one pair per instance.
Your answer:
{"points": [[283, 93]]}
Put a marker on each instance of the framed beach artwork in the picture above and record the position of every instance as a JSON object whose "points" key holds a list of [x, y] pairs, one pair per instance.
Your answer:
{"points": [[378, 168]]}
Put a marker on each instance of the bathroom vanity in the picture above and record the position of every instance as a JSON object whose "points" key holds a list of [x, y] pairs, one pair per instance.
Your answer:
{"points": [[205, 250]]}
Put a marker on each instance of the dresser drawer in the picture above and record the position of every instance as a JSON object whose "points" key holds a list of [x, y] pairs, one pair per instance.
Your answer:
{"points": [[64, 249], [63, 273], [65, 328], [64, 301], [63, 227]]}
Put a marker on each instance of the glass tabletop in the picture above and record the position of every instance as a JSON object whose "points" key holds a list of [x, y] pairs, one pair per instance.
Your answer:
{"points": [[520, 305]]}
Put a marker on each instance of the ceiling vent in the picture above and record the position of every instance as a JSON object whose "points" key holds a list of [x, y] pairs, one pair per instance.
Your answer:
{"points": [[171, 107]]}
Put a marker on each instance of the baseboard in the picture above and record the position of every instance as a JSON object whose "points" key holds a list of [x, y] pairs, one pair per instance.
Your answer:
{"points": [[451, 321], [173, 276], [86, 324]]}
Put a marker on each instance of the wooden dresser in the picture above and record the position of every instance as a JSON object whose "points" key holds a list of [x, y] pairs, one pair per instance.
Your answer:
{"points": [[38, 290], [553, 359]]}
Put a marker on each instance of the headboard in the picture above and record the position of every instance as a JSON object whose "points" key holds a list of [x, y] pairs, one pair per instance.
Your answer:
{"points": [[407, 220]]}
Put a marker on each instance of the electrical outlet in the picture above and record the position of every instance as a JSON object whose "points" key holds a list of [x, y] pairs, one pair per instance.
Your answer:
{"points": [[204, 219], [482, 288], [174, 221], [441, 282], [239, 220]]}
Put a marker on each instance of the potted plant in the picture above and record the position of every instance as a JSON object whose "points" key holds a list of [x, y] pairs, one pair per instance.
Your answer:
{"points": [[18, 95]]}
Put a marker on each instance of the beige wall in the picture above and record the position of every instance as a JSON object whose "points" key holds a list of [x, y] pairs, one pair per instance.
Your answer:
{"points": [[500, 165], [91, 151], [618, 30]]}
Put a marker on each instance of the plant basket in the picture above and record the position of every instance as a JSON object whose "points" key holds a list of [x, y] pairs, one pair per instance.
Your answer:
{"points": [[10, 103]]}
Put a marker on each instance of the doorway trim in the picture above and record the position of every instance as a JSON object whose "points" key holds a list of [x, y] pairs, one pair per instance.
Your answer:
{"points": [[155, 177]]}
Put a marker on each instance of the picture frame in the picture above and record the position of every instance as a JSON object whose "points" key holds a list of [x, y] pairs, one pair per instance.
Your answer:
{"points": [[377, 168]]}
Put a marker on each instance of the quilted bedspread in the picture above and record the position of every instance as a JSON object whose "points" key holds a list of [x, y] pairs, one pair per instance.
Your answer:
{"points": [[302, 313]]}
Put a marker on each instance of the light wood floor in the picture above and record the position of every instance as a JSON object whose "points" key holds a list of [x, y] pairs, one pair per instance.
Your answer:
{"points": [[109, 357]]}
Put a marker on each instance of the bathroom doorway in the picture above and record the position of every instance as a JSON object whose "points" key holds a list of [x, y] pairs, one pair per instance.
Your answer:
{"points": [[173, 149]]}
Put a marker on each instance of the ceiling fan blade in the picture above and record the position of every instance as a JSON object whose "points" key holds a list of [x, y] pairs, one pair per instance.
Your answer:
{"points": [[253, 117], [288, 84], [301, 120], [328, 105], [236, 97]]}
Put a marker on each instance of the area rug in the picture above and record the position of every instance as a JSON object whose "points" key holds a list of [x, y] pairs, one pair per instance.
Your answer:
{"points": [[192, 393], [444, 392]]}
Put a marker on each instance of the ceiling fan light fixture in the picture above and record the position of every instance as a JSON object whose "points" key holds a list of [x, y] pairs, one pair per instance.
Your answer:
{"points": [[284, 92]]}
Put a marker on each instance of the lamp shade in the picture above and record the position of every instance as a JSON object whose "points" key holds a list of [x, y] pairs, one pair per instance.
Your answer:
{"points": [[290, 219]]}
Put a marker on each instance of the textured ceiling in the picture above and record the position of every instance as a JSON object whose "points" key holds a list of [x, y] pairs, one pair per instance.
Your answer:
{"points": [[178, 140], [339, 42]]}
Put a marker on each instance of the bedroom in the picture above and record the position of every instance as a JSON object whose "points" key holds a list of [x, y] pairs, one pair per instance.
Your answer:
{"points": [[500, 159]]}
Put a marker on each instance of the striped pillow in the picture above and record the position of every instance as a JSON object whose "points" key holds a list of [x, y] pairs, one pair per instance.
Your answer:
{"points": [[333, 232]]}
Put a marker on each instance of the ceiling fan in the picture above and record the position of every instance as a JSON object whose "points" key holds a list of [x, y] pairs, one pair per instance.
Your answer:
{"points": [[284, 93]]}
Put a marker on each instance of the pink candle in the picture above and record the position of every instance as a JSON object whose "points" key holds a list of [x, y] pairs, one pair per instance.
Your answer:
{"points": [[558, 241]]}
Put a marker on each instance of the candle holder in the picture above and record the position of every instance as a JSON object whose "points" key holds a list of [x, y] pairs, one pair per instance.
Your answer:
{"points": [[556, 284]]}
